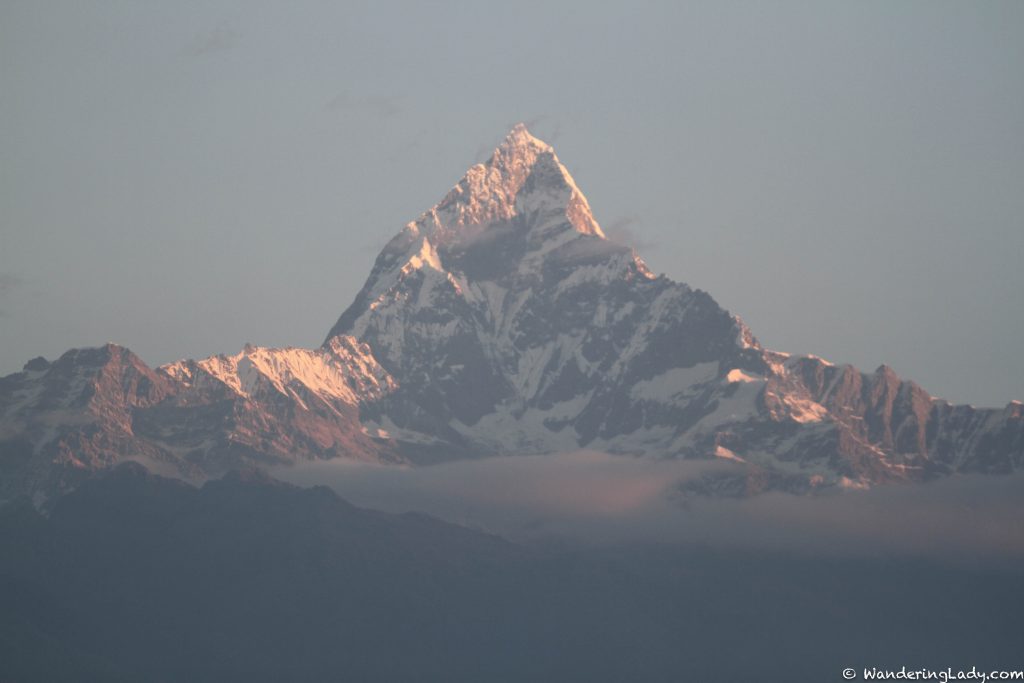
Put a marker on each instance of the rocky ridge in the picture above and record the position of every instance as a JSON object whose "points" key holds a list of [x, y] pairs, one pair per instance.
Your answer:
{"points": [[502, 321]]}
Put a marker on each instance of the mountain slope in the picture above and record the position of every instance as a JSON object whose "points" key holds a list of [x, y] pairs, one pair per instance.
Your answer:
{"points": [[60, 422], [508, 314], [502, 321], [515, 326]]}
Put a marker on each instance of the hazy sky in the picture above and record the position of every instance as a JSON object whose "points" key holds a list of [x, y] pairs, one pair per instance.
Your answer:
{"points": [[182, 178]]}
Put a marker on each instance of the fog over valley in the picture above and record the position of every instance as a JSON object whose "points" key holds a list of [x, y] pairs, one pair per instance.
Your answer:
{"points": [[597, 498]]}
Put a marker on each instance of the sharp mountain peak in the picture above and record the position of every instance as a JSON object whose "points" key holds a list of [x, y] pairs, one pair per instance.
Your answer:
{"points": [[507, 221], [520, 137], [524, 179], [501, 321]]}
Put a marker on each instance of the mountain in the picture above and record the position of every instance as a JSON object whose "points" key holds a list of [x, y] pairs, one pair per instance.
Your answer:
{"points": [[60, 422], [515, 326], [134, 577], [502, 321]]}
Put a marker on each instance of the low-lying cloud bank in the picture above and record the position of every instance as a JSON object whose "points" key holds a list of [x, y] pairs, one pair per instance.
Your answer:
{"points": [[600, 498]]}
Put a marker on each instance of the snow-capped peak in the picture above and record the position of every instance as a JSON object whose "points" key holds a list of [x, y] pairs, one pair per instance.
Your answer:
{"points": [[504, 222], [519, 136], [344, 369], [523, 179]]}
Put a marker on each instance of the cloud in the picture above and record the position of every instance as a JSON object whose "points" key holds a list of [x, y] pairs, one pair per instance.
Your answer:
{"points": [[219, 39], [624, 230], [964, 519], [600, 498], [379, 106], [509, 495]]}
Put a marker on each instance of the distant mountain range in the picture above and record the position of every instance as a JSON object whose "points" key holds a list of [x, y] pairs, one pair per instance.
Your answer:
{"points": [[502, 321]]}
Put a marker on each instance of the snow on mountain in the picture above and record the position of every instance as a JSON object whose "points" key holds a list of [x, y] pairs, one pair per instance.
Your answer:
{"points": [[514, 326], [501, 322], [64, 419], [93, 408], [506, 298], [341, 371]]}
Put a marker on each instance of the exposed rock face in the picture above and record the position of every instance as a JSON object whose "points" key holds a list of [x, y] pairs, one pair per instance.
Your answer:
{"points": [[272, 405], [514, 326], [62, 420], [502, 321], [93, 408]]}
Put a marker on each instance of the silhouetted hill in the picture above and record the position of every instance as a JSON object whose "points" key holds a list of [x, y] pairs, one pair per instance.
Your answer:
{"points": [[136, 577]]}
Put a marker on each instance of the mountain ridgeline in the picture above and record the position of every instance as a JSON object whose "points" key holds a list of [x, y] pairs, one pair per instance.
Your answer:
{"points": [[502, 321]]}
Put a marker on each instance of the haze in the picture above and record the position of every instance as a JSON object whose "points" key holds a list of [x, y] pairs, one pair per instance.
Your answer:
{"points": [[605, 499], [847, 177]]}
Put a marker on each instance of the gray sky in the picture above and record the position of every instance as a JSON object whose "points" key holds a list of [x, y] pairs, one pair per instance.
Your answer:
{"points": [[182, 178]]}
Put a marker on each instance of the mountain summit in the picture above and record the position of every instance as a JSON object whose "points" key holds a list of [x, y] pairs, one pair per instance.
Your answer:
{"points": [[497, 299], [513, 326], [523, 183], [499, 322], [512, 211]]}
